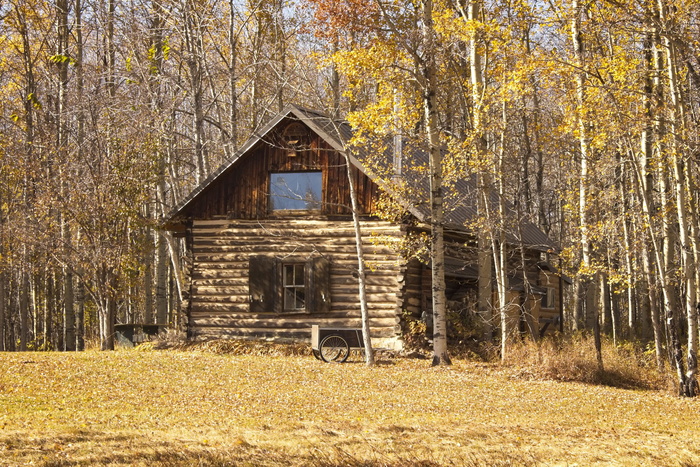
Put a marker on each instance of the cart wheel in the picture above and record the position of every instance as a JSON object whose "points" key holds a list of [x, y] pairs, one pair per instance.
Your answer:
{"points": [[317, 354], [334, 349]]}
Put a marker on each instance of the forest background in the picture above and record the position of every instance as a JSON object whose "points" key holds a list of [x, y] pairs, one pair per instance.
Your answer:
{"points": [[582, 115]]}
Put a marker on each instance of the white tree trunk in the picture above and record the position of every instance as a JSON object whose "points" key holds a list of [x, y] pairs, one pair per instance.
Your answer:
{"points": [[361, 270], [437, 249]]}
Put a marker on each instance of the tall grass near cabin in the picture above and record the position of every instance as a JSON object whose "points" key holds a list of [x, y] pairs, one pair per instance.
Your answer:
{"points": [[572, 358]]}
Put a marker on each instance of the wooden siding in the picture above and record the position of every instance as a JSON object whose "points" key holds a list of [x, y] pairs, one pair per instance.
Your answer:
{"points": [[219, 304], [243, 192]]}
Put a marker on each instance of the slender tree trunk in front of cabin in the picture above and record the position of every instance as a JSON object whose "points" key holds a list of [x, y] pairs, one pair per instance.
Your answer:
{"points": [[498, 243], [176, 260], [485, 265], [432, 139], [361, 270]]}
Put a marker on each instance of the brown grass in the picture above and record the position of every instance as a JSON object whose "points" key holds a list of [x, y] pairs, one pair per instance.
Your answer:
{"points": [[252, 405], [573, 358]]}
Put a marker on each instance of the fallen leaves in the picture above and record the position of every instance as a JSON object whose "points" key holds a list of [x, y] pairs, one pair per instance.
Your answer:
{"points": [[301, 411]]}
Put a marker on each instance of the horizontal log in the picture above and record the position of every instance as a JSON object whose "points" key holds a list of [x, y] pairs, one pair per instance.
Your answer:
{"points": [[370, 289], [222, 282], [325, 248], [371, 298], [346, 279], [294, 224], [198, 306], [242, 256], [302, 335], [341, 314], [375, 282], [221, 241], [289, 323], [222, 299], [339, 293]]}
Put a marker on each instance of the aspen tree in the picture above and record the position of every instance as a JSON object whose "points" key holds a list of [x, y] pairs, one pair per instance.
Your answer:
{"points": [[437, 249], [62, 137], [80, 136], [676, 126], [361, 268], [485, 245], [584, 153]]}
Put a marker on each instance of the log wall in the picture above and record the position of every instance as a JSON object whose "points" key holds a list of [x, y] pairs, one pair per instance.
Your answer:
{"points": [[219, 304]]}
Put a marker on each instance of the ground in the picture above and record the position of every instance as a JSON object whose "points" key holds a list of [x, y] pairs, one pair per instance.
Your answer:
{"points": [[174, 407]]}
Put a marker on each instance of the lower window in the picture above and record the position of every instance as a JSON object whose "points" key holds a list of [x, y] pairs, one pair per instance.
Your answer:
{"points": [[294, 287], [289, 285]]}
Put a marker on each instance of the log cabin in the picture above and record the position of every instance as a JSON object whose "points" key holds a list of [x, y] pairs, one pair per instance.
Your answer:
{"points": [[271, 246]]}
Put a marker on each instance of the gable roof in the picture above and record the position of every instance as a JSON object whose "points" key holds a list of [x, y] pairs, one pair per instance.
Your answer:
{"points": [[336, 134]]}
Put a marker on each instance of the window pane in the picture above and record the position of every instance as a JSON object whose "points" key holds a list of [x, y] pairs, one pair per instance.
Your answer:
{"points": [[299, 274], [289, 299], [295, 191], [288, 275], [301, 299]]}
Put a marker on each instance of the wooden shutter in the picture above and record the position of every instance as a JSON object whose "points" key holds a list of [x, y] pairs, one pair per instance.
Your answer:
{"points": [[319, 285], [263, 284]]}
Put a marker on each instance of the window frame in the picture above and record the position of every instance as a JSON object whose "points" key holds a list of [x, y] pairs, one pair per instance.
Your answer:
{"points": [[298, 269], [266, 284], [550, 296], [297, 211]]}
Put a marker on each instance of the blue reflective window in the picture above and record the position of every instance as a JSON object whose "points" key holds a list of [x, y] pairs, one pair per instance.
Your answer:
{"points": [[295, 191]]}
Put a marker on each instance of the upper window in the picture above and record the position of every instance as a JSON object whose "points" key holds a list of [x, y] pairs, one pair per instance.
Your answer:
{"points": [[300, 191]]}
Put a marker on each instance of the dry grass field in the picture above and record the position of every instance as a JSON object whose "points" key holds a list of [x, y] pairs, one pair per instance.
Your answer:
{"points": [[189, 407]]}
